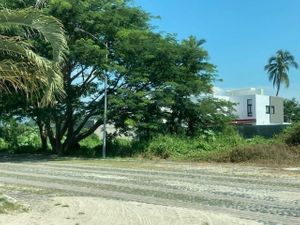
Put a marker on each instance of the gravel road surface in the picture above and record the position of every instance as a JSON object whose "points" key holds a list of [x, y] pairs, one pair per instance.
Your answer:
{"points": [[143, 192]]}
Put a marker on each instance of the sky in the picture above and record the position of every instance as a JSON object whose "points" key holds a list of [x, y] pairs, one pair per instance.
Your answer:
{"points": [[241, 35]]}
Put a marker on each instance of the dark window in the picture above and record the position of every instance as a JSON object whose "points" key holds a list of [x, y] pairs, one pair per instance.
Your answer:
{"points": [[267, 109], [249, 107], [272, 109]]}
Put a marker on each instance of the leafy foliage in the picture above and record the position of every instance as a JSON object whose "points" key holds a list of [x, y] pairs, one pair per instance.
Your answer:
{"points": [[20, 67], [15, 135], [278, 68], [291, 110], [152, 78], [291, 135], [200, 148]]}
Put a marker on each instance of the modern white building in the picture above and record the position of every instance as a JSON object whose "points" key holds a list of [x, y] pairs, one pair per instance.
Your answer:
{"points": [[253, 107]]}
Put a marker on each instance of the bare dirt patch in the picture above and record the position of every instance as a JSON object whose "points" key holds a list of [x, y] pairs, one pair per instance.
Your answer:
{"points": [[95, 211]]}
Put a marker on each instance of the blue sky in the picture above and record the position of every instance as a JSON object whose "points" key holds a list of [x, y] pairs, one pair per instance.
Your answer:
{"points": [[241, 35]]}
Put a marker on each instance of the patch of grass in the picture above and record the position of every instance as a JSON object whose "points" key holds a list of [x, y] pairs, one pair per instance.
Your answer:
{"points": [[266, 153], [122, 147], [194, 149], [8, 205]]}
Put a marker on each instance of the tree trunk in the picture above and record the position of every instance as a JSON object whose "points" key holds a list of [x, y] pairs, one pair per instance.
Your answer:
{"points": [[43, 135], [278, 88]]}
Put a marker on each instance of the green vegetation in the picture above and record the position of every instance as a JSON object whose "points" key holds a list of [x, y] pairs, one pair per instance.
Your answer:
{"points": [[229, 146], [159, 88], [8, 205], [212, 146], [291, 111], [21, 68], [154, 80], [291, 135], [16, 137], [278, 68]]}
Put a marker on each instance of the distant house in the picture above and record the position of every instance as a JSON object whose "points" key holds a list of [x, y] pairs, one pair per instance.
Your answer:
{"points": [[255, 108]]}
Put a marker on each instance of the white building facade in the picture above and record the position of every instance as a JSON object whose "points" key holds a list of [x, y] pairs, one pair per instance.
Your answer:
{"points": [[253, 107]]}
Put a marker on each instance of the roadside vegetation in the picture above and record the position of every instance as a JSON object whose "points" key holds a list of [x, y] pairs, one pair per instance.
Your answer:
{"points": [[9, 205], [227, 146], [159, 88]]}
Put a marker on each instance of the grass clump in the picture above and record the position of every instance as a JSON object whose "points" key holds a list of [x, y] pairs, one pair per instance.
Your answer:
{"points": [[195, 149], [266, 153], [9, 205], [229, 146]]}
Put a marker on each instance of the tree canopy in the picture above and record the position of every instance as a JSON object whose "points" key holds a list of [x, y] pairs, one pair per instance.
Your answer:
{"points": [[156, 83]]}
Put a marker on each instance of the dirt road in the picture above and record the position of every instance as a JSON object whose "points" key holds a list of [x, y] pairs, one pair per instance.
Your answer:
{"points": [[136, 192]]}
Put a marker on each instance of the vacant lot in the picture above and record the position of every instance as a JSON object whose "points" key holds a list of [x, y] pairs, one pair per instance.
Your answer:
{"points": [[142, 192]]}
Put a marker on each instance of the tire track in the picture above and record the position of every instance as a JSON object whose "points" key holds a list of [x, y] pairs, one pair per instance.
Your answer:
{"points": [[200, 179], [153, 187]]}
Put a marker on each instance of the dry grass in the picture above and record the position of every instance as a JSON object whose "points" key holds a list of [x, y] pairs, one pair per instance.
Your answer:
{"points": [[9, 205], [276, 154]]}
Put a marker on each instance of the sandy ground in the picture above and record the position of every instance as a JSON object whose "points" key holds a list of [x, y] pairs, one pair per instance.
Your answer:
{"points": [[141, 193], [95, 211]]}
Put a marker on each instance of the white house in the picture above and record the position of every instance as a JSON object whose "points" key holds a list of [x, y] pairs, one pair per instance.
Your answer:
{"points": [[253, 107]]}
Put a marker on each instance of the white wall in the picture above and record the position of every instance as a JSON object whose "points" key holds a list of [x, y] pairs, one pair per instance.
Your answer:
{"points": [[259, 103], [241, 107], [262, 117]]}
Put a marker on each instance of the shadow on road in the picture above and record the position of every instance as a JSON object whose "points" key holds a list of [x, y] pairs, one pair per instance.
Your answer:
{"points": [[21, 158]]}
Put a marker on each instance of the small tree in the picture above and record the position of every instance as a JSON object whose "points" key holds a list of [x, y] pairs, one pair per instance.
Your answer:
{"points": [[291, 110]]}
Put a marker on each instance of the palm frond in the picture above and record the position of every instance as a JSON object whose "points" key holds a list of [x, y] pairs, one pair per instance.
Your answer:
{"points": [[24, 70], [278, 67], [49, 27], [21, 50], [44, 85]]}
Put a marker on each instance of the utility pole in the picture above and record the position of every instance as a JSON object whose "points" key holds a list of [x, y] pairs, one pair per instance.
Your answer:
{"points": [[105, 107], [105, 89]]}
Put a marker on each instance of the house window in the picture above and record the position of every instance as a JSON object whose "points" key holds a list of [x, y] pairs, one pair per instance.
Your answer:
{"points": [[268, 109], [272, 109], [249, 107]]}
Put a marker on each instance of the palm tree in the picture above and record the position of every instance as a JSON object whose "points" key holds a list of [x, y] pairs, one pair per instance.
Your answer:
{"points": [[278, 68], [21, 68]]}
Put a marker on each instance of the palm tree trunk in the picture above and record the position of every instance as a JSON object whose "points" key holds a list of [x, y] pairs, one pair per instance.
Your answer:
{"points": [[278, 88]]}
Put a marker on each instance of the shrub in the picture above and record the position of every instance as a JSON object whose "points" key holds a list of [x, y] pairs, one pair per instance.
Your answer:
{"points": [[84, 151], [122, 147], [271, 153], [3, 144], [291, 135], [201, 148], [17, 136], [91, 141], [88, 147], [169, 147]]}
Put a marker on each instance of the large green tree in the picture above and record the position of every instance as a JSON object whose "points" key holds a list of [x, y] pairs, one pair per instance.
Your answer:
{"points": [[278, 67], [151, 77], [21, 67]]}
